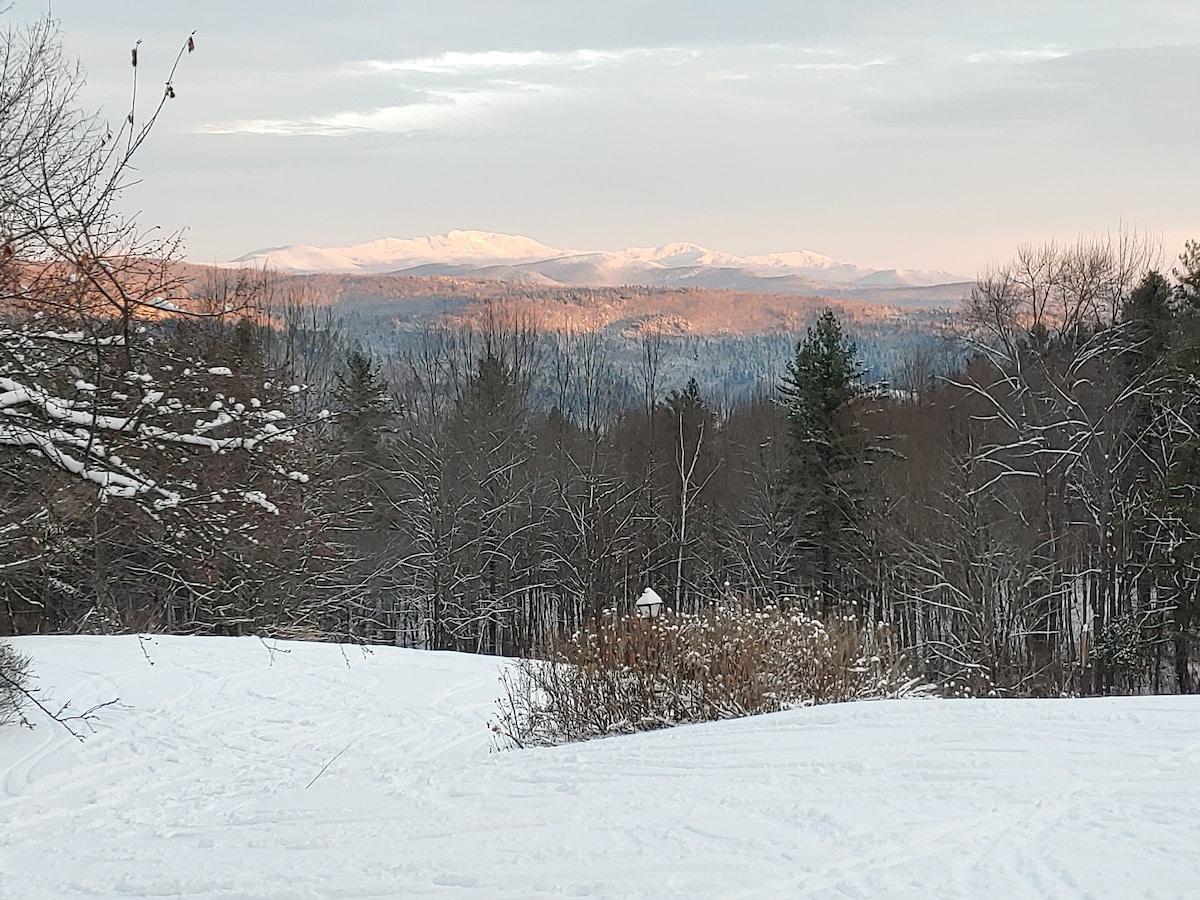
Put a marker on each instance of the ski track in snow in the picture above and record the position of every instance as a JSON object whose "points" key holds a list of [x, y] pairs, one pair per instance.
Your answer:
{"points": [[195, 786]]}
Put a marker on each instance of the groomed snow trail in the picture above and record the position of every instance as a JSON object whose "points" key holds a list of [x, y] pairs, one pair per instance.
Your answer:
{"points": [[195, 786]]}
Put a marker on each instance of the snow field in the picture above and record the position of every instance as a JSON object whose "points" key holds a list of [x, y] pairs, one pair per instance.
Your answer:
{"points": [[201, 784]]}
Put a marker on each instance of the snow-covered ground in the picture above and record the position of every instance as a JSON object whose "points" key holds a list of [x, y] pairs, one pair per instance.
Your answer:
{"points": [[200, 784]]}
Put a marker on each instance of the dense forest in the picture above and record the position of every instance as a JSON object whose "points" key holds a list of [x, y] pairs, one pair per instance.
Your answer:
{"points": [[1019, 507], [1026, 521]]}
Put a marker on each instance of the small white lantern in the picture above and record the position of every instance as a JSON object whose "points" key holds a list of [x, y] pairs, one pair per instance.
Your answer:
{"points": [[649, 604]]}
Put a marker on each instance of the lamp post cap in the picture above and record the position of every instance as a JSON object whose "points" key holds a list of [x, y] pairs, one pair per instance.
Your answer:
{"points": [[648, 604]]}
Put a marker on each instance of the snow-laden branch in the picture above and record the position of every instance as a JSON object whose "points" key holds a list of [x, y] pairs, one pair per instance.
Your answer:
{"points": [[114, 428]]}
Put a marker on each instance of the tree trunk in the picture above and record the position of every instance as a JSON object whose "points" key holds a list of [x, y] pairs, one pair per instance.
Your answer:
{"points": [[1182, 670]]}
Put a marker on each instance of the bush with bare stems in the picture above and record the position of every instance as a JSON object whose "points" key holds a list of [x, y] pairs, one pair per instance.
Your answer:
{"points": [[623, 674]]}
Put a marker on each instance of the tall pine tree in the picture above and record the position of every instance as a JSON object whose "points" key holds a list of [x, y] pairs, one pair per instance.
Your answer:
{"points": [[823, 382]]}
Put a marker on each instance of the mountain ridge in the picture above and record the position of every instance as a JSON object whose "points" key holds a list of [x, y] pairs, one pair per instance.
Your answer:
{"points": [[506, 257]]}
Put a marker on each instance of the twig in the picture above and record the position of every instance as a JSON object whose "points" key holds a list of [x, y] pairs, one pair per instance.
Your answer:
{"points": [[86, 716], [272, 650], [327, 765]]}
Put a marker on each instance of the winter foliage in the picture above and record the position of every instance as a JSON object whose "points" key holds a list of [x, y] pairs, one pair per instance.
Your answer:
{"points": [[622, 674], [195, 451], [207, 451]]}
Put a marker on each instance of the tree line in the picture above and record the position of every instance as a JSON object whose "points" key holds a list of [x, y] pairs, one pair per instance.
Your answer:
{"points": [[219, 457]]}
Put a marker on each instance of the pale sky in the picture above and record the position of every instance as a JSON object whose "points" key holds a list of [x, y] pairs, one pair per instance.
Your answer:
{"points": [[935, 134]]}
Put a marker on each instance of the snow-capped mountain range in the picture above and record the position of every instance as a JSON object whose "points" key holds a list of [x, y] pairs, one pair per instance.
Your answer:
{"points": [[507, 257]]}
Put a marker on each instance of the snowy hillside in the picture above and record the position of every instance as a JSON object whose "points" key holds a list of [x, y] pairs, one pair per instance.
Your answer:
{"points": [[234, 770], [516, 258], [390, 254]]}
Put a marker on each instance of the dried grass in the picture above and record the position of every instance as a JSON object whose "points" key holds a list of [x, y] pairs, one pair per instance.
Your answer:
{"points": [[622, 674]]}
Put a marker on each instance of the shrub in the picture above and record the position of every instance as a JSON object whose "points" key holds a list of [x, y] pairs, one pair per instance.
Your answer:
{"points": [[622, 674]]}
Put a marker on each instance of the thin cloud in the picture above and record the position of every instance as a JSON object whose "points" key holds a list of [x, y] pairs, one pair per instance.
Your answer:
{"points": [[1085, 92], [836, 66], [730, 75], [442, 111], [471, 63], [1017, 56]]}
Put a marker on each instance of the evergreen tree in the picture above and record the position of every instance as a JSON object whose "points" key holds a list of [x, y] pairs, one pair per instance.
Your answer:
{"points": [[367, 404], [820, 389], [1188, 275], [496, 502], [1178, 506]]}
